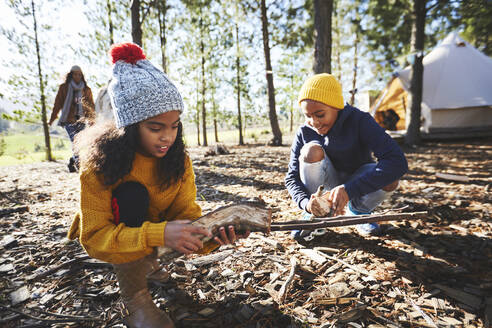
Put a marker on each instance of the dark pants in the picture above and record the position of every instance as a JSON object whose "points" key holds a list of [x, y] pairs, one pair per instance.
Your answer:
{"points": [[72, 131], [130, 204]]}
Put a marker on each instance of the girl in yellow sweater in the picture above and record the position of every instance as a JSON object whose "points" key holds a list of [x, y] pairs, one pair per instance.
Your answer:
{"points": [[137, 183]]}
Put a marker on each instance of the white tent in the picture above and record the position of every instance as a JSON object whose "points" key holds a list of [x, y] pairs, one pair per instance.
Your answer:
{"points": [[457, 89]]}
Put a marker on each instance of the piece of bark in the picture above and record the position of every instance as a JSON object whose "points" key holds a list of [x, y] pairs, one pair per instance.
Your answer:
{"points": [[465, 298], [452, 177], [212, 258], [313, 255], [244, 216]]}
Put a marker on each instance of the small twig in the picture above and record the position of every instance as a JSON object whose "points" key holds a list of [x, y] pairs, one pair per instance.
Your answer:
{"points": [[286, 286], [63, 318]]}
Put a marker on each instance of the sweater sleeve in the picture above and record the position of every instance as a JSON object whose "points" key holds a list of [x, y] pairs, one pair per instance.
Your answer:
{"points": [[184, 206], [293, 181], [391, 162], [104, 240]]}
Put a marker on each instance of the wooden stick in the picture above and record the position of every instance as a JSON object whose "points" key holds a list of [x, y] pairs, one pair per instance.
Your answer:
{"points": [[339, 221], [63, 318], [452, 177], [282, 293]]}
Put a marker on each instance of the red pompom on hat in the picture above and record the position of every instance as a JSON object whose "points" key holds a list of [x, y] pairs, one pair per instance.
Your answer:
{"points": [[128, 52]]}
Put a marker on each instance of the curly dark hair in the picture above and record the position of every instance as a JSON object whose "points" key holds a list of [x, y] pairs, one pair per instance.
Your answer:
{"points": [[110, 151], [69, 75]]}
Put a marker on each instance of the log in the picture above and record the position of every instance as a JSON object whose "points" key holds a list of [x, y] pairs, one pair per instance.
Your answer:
{"points": [[245, 216]]}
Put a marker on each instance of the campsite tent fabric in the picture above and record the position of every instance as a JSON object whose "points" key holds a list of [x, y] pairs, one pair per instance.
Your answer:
{"points": [[457, 89]]}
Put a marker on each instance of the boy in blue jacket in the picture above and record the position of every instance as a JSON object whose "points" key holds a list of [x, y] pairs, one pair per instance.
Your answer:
{"points": [[333, 149]]}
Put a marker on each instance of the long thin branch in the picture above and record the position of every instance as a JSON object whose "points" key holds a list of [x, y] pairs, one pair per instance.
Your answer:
{"points": [[64, 318], [344, 220]]}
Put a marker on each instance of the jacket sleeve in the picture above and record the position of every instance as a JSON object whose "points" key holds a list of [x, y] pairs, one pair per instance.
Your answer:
{"points": [[391, 162], [89, 104], [293, 181], [98, 234], [184, 206], [59, 100]]}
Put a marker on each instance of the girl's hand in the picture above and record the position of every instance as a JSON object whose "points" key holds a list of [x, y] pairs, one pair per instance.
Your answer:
{"points": [[230, 237], [339, 199], [183, 237]]}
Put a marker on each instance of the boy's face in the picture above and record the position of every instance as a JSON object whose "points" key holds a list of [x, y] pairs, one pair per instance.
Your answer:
{"points": [[319, 116], [158, 133]]}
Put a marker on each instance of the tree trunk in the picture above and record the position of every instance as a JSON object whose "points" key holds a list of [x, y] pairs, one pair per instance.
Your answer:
{"points": [[198, 124], [110, 22], [337, 45], [197, 116], [204, 111], [354, 79], [46, 129], [238, 87], [162, 8], [277, 134], [136, 23], [322, 44], [214, 111], [291, 103], [416, 75]]}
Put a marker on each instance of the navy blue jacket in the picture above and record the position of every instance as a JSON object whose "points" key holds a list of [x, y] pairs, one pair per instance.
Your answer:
{"points": [[349, 144]]}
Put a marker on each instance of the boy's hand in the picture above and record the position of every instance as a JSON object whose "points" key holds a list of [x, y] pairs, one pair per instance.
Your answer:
{"points": [[339, 199], [230, 237], [319, 206], [183, 237]]}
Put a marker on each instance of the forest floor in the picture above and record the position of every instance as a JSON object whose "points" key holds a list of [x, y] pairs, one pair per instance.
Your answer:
{"points": [[431, 272]]}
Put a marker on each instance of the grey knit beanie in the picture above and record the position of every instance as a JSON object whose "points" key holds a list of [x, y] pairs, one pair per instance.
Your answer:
{"points": [[138, 90]]}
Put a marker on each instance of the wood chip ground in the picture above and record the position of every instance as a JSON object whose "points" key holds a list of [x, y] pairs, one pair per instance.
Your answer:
{"points": [[434, 272]]}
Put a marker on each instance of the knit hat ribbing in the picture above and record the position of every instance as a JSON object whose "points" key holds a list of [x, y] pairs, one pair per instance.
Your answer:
{"points": [[323, 88], [138, 90]]}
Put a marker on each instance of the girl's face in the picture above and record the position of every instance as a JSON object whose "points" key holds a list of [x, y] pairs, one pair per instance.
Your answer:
{"points": [[319, 116], [158, 133]]}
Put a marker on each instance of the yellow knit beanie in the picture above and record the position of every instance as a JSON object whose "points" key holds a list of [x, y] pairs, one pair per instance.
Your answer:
{"points": [[323, 88]]}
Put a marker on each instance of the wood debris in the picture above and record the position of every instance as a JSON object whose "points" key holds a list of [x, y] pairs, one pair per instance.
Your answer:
{"points": [[429, 272]]}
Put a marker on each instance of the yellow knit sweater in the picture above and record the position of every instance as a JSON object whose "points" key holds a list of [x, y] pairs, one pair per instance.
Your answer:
{"points": [[104, 240]]}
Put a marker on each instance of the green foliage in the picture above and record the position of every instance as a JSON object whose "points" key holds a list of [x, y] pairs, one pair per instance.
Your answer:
{"points": [[475, 18], [388, 32], [3, 145]]}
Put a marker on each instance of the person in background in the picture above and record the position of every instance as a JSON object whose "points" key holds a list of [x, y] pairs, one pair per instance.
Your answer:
{"points": [[74, 100], [334, 149]]}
